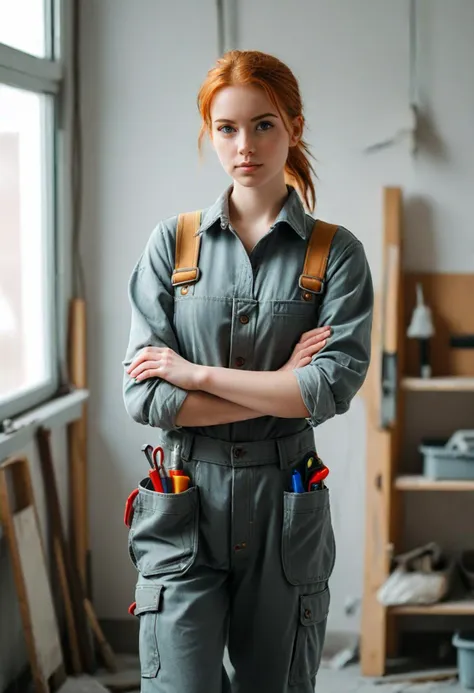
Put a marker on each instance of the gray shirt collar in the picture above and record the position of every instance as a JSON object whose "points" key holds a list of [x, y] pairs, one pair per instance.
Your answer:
{"points": [[292, 212]]}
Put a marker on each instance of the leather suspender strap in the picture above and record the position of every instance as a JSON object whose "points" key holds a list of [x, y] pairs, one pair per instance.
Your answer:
{"points": [[317, 254], [186, 269], [188, 243]]}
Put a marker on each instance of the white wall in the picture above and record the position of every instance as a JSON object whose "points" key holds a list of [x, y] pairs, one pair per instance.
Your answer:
{"points": [[142, 64]]}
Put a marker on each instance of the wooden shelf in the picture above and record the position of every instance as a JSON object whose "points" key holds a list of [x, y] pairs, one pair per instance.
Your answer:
{"points": [[462, 607], [453, 384], [412, 482]]}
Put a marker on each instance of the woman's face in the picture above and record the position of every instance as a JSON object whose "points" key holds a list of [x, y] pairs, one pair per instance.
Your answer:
{"points": [[247, 129]]}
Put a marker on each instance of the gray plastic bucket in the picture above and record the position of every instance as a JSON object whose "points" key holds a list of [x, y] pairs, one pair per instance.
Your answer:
{"points": [[464, 642]]}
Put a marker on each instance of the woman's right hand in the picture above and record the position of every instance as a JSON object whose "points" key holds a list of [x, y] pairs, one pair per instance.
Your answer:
{"points": [[310, 344]]}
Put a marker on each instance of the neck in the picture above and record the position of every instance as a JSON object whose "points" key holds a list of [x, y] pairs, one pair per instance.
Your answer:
{"points": [[257, 205]]}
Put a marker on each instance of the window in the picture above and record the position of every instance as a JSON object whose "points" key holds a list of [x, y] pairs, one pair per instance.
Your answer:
{"points": [[23, 25], [29, 88]]}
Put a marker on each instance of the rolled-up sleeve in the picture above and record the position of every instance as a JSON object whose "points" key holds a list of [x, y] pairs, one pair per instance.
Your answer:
{"points": [[152, 402], [336, 373]]}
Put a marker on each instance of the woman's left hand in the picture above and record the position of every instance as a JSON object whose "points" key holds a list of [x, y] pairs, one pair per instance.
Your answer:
{"points": [[164, 363]]}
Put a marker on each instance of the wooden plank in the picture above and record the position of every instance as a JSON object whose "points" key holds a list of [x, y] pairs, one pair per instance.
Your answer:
{"points": [[44, 627], [20, 520], [448, 608], [74, 651], [415, 482], [378, 629], [391, 300], [106, 651], [450, 297], [77, 442], [446, 384], [75, 592]]}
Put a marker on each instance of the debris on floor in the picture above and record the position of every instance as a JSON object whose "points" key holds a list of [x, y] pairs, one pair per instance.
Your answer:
{"points": [[418, 677], [126, 679], [82, 684]]}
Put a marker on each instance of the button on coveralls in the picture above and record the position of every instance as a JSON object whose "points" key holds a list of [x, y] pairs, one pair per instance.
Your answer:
{"points": [[238, 559]]}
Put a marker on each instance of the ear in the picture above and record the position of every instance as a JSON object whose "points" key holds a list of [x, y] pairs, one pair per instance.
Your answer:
{"points": [[297, 130]]}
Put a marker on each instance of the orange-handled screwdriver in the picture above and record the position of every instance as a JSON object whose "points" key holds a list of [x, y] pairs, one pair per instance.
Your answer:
{"points": [[179, 480]]}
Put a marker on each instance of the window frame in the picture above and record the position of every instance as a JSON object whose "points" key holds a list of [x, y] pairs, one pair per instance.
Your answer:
{"points": [[50, 76]]}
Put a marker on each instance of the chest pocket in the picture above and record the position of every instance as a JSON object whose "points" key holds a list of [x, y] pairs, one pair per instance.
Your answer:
{"points": [[290, 319], [295, 309]]}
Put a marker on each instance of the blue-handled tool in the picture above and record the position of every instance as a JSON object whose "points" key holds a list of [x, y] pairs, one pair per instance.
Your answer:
{"points": [[297, 482]]}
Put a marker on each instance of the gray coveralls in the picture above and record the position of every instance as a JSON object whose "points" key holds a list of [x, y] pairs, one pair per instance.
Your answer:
{"points": [[238, 559]]}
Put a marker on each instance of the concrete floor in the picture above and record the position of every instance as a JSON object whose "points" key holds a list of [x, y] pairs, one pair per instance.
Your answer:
{"points": [[349, 680], [346, 680]]}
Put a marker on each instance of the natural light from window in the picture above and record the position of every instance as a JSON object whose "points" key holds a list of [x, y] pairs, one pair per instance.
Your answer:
{"points": [[22, 25], [24, 310]]}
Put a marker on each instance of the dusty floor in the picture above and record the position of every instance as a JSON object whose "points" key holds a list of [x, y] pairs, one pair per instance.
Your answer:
{"points": [[349, 680], [346, 680]]}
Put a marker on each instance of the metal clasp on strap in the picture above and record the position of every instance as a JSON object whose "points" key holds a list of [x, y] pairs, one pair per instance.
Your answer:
{"points": [[311, 278], [183, 271]]}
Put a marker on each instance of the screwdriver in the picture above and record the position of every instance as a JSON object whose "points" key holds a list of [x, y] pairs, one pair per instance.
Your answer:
{"points": [[180, 482]]}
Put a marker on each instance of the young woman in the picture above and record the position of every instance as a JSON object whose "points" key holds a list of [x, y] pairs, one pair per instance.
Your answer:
{"points": [[234, 371]]}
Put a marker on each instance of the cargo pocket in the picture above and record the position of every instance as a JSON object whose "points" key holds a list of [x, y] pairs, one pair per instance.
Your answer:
{"points": [[130, 534], [130, 547], [308, 547], [309, 641], [164, 535], [147, 607]]}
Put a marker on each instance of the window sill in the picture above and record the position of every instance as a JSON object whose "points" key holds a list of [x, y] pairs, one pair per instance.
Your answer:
{"points": [[57, 412]]}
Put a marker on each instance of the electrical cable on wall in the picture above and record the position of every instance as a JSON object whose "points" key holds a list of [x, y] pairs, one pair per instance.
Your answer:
{"points": [[226, 25], [220, 27], [409, 131], [76, 172]]}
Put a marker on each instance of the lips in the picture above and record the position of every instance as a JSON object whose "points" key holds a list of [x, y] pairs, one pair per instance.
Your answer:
{"points": [[248, 165]]}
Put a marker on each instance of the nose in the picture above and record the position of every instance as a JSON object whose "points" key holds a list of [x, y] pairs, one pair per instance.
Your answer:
{"points": [[246, 144]]}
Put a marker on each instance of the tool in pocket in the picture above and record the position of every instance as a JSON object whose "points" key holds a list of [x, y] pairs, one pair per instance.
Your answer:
{"points": [[176, 482], [310, 475]]}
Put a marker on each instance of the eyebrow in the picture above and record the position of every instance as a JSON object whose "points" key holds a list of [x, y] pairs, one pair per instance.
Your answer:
{"points": [[252, 120]]}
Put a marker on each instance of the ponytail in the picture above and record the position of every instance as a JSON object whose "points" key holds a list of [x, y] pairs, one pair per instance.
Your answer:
{"points": [[298, 172]]}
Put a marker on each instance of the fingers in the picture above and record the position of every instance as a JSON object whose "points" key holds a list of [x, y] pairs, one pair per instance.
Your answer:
{"points": [[304, 362], [318, 332], [146, 369], [147, 354], [319, 340], [305, 355], [311, 350], [323, 337], [142, 355]]}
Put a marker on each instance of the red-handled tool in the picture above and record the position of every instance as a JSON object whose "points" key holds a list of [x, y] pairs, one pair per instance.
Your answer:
{"points": [[156, 472], [316, 479], [127, 518]]}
